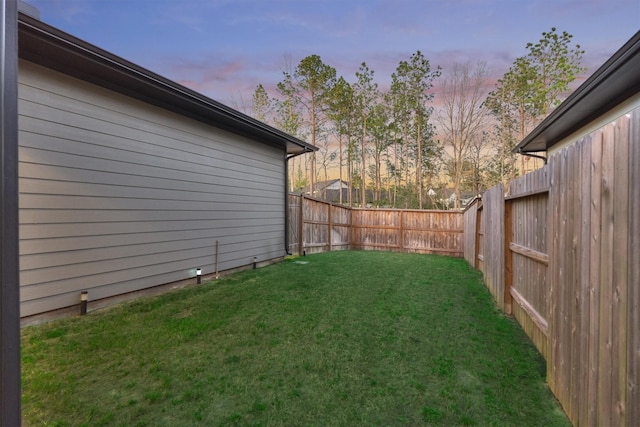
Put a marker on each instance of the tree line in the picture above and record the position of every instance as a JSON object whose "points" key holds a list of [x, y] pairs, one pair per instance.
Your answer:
{"points": [[429, 128]]}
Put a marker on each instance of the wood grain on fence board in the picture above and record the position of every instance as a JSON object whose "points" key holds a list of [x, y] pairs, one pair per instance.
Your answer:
{"points": [[493, 242], [620, 253], [508, 255], [566, 275], [584, 200], [479, 237], [594, 275], [470, 238], [294, 221], [553, 166], [633, 305], [605, 365], [570, 270]]}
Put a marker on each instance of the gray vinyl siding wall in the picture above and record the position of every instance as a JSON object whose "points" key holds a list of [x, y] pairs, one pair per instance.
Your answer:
{"points": [[117, 195]]}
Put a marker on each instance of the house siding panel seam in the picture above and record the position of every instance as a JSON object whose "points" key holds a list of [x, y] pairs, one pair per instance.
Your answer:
{"points": [[117, 195]]}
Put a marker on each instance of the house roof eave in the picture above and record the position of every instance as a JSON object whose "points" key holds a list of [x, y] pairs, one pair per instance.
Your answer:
{"points": [[610, 85], [48, 46]]}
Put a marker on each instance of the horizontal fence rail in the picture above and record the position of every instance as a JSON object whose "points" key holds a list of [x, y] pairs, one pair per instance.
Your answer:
{"points": [[324, 227]]}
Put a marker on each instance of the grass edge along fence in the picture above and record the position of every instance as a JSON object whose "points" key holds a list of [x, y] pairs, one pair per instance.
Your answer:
{"points": [[560, 252], [318, 226]]}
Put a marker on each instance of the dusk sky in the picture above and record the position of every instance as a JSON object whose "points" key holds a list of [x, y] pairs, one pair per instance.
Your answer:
{"points": [[224, 48]]}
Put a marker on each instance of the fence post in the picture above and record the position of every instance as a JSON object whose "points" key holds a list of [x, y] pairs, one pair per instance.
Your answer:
{"points": [[351, 245], [508, 255], [300, 226], [476, 259], [329, 227], [401, 237]]}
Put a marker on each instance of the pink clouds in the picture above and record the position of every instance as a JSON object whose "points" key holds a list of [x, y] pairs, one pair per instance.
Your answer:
{"points": [[208, 70], [225, 48], [217, 77]]}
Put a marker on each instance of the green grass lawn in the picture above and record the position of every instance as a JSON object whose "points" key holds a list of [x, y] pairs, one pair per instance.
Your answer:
{"points": [[350, 338]]}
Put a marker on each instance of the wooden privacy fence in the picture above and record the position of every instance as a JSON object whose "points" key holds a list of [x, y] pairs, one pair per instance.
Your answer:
{"points": [[318, 226], [561, 252]]}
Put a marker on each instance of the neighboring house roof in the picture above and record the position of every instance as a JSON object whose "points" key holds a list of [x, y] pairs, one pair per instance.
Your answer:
{"points": [[450, 194], [336, 184], [47, 46], [332, 184], [614, 82]]}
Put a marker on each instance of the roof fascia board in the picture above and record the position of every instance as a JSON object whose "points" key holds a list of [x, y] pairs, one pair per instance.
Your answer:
{"points": [[610, 116], [613, 83], [48, 46]]}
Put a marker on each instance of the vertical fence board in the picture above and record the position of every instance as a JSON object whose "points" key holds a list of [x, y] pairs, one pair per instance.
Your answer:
{"points": [[620, 253], [470, 233], [569, 277], [554, 228], [594, 276], [402, 242], [294, 222], [561, 318], [301, 226], [330, 226], [583, 284], [479, 239], [605, 368], [633, 293], [508, 256], [493, 242]]}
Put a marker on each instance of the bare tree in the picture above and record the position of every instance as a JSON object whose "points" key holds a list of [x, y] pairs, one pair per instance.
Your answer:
{"points": [[461, 118]]}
